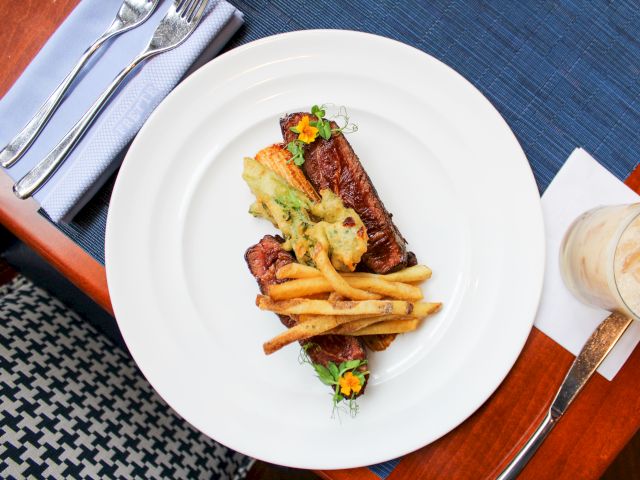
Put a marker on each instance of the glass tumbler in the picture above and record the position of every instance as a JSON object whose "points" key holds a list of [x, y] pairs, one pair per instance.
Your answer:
{"points": [[600, 258]]}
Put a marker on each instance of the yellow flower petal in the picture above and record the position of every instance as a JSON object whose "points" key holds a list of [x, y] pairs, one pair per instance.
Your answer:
{"points": [[345, 390], [357, 387], [349, 382], [303, 123], [307, 133]]}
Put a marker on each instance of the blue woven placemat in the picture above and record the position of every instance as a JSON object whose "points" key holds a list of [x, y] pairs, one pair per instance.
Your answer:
{"points": [[563, 74]]}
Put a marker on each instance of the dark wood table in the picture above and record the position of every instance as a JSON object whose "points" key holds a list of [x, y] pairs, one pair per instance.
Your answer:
{"points": [[597, 426]]}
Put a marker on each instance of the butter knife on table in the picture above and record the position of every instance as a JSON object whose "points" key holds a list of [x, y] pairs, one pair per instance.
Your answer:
{"points": [[598, 346]]}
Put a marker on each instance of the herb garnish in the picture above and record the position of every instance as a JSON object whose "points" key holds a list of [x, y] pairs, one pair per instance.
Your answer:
{"points": [[308, 130], [297, 150], [346, 379]]}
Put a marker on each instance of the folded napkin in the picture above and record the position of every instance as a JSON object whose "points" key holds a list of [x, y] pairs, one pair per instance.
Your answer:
{"points": [[580, 185], [101, 150]]}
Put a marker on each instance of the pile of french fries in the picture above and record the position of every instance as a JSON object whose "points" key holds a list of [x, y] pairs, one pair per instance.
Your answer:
{"points": [[323, 301]]}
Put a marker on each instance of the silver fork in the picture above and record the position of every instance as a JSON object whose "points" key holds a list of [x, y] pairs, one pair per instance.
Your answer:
{"points": [[179, 22], [131, 14]]}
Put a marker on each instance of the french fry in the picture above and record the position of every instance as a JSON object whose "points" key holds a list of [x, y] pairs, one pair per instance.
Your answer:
{"points": [[303, 287], [307, 326], [417, 273], [340, 318], [390, 326], [303, 306], [297, 270], [339, 284], [398, 290], [350, 327], [375, 326]]}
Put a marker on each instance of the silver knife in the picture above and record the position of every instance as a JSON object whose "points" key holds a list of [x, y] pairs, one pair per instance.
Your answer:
{"points": [[600, 343]]}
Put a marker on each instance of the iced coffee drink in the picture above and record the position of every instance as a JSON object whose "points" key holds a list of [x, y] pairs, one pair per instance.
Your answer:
{"points": [[600, 258]]}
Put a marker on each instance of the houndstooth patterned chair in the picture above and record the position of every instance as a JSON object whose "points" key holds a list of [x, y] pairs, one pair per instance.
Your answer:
{"points": [[74, 406]]}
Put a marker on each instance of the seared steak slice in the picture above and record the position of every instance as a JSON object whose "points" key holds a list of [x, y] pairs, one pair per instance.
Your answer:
{"points": [[336, 349], [333, 164], [264, 259]]}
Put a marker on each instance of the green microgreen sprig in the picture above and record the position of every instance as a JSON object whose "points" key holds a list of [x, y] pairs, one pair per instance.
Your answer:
{"points": [[296, 147], [331, 375], [323, 125]]}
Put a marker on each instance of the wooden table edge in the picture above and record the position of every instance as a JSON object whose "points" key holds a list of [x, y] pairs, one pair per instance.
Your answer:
{"points": [[21, 218]]}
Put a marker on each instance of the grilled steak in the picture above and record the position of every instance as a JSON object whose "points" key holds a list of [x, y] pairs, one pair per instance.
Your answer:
{"points": [[264, 259], [333, 164]]}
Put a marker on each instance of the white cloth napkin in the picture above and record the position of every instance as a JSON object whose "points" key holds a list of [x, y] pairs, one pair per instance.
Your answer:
{"points": [[580, 185], [101, 150]]}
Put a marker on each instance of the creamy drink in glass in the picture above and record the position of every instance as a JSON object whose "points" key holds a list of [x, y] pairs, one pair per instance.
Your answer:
{"points": [[600, 258]]}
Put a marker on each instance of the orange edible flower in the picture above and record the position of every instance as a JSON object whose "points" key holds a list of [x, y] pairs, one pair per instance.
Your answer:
{"points": [[307, 133], [348, 383]]}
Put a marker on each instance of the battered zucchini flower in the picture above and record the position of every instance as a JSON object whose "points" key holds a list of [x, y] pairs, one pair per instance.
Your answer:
{"points": [[306, 133], [348, 383]]}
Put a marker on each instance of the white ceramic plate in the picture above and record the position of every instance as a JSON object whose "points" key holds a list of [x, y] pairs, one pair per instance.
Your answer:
{"points": [[443, 161]]}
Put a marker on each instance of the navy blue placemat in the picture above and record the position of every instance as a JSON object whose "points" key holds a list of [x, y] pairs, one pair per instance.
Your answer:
{"points": [[563, 74], [383, 470], [88, 227]]}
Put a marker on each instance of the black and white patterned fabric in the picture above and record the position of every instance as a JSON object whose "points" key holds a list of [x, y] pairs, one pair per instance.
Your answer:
{"points": [[75, 406]]}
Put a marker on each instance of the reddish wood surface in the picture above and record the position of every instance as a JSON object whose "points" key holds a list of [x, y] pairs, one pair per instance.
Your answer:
{"points": [[595, 429], [633, 180], [26, 27]]}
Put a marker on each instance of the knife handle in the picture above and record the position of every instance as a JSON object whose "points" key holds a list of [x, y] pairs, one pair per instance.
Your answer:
{"points": [[598, 346]]}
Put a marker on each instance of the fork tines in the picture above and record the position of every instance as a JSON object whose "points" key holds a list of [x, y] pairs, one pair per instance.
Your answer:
{"points": [[191, 10]]}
